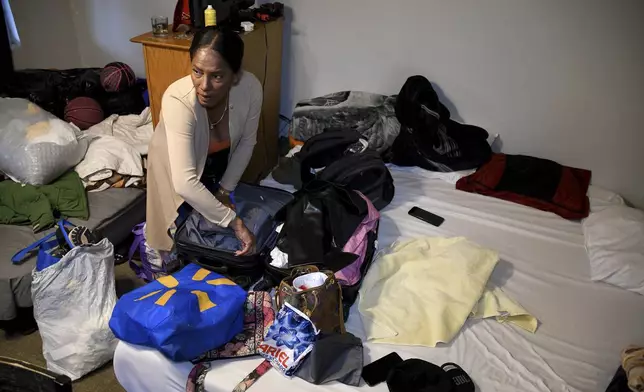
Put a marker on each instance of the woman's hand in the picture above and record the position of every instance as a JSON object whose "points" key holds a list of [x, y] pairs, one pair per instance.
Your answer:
{"points": [[244, 236], [225, 199]]}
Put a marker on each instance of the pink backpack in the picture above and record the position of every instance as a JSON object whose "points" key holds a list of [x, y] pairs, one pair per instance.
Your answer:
{"points": [[358, 244]]}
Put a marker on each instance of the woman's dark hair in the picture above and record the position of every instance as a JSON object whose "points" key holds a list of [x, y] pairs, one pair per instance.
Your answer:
{"points": [[222, 40]]}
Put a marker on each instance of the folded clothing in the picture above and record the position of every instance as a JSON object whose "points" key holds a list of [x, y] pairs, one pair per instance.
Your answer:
{"points": [[534, 182], [37, 205]]}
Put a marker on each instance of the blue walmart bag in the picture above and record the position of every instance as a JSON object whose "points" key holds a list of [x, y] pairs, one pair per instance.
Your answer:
{"points": [[182, 315]]}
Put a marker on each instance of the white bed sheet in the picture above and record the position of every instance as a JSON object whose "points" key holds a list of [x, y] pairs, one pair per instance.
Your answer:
{"points": [[543, 266]]}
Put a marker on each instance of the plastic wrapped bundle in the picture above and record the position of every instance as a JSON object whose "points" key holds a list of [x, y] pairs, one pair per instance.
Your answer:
{"points": [[35, 146]]}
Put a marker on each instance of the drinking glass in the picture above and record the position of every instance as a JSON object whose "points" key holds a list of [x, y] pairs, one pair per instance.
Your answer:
{"points": [[160, 26]]}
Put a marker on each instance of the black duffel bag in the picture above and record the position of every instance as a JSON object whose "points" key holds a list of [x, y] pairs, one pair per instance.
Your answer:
{"points": [[343, 157]]}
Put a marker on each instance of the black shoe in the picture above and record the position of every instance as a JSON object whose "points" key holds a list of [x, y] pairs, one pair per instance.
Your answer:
{"points": [[10, 327]]}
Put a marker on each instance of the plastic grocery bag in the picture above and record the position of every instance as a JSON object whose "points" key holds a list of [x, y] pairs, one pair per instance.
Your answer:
{"points": [[73, 301], [36, 147]]}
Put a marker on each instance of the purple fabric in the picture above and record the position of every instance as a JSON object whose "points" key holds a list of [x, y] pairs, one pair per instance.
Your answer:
{"points": [[146, 270], [357, 244]]}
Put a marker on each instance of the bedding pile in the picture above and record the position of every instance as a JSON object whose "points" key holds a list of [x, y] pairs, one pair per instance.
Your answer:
{"points": [[114, 155]]}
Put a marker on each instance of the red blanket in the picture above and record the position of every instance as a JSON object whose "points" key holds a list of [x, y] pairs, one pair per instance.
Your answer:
{"points": [[533, 182]]}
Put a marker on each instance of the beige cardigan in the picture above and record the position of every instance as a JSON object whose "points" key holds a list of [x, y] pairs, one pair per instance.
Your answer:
{"points": [[179, 149]]}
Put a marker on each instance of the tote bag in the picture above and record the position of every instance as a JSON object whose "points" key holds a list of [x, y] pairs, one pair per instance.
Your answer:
{"points": [[182, 315]]}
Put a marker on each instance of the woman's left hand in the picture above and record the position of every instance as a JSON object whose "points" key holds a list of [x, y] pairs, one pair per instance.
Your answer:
{"points": [[225, 199], [245, 237]]}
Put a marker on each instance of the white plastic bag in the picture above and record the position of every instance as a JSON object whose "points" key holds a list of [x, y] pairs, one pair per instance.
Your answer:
{"points": [[73, 302], [36, 147]]}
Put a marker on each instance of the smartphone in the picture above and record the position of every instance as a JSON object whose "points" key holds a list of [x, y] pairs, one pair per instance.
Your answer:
{"points": [[426, 216], [377, 371]]}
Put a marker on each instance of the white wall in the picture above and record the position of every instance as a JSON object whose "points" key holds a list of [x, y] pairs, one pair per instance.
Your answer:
{"points": [[42, 47], [562, 80], [84, 33], [104, 29]]}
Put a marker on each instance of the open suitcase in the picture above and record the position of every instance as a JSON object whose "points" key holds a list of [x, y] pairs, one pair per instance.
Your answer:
{"points": [[213, 247]]}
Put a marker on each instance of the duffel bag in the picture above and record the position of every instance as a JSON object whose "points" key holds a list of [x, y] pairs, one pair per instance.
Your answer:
{"points": [[344, 158]]}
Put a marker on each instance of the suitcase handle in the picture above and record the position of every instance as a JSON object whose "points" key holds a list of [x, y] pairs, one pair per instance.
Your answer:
{"points": [[220, 270]]}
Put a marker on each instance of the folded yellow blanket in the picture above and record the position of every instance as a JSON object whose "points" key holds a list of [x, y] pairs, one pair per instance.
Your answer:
{"points": [[421, 292]]}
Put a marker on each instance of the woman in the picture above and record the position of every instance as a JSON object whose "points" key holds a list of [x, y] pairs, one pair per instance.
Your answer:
{"points": [[204, 141]]}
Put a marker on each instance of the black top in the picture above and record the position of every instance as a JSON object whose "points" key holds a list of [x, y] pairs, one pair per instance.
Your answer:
{"points": [[216, 165]]}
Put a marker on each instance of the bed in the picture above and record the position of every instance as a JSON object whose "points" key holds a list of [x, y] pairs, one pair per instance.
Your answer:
{"points": [[544, 266]]}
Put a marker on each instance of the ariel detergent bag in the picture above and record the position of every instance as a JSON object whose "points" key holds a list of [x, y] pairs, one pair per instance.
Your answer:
{"points": [[289, 340]]}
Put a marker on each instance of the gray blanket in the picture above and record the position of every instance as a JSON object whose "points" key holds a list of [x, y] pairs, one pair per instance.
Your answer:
{"points": [[373, 115]]}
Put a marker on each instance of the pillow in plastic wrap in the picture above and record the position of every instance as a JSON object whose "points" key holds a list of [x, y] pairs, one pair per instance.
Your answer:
{"points": [[35, 146]]}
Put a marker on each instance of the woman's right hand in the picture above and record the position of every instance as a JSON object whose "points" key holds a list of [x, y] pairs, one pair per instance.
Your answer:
{"points": [[244, 236]]}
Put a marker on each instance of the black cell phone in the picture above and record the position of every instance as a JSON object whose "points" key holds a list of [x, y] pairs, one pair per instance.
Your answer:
{"points": [[426, 216], [377, 371]]}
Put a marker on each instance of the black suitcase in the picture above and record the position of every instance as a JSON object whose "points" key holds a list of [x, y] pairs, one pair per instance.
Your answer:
{"points": [[212, 247]]}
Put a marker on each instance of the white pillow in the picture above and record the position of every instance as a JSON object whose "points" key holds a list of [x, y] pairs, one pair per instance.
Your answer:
{"points": [[601, 198], [614, 240]]}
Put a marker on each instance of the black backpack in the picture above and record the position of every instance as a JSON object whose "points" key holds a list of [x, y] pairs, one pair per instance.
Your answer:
{"points": [[343, 157], [429, 138]]}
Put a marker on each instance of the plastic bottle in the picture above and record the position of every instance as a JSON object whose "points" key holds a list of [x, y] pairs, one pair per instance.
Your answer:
{"points": [[210, 16]]}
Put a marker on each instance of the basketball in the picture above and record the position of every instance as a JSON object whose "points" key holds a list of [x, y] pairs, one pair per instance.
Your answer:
{"points": [[83, 112], [117, 77]]}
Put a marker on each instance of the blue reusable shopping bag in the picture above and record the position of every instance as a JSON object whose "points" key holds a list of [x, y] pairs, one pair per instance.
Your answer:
{"points": [[182, 315], [45, 247]]}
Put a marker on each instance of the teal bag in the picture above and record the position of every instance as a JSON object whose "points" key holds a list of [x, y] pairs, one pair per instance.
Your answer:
{"points": [[182, 315]]}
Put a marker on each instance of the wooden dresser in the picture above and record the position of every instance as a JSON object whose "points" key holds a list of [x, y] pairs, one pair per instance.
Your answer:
{"points": [[167, 60]]}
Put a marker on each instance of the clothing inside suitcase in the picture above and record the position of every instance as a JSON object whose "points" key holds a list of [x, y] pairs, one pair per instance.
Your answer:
{"points": [[256, 205]]}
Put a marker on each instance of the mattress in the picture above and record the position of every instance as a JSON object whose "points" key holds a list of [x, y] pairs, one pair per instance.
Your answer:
{"points": [[544, 266]]}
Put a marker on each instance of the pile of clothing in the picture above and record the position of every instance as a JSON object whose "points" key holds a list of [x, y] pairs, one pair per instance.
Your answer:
{"points": [[37, 151], [415, 128], [116, 153]]}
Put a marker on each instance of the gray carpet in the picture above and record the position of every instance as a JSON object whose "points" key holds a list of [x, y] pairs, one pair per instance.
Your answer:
{"points": [[29, 348]]}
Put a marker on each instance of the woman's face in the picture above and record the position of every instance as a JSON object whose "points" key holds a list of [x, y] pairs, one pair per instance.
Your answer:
{"points": [[212, 77]]}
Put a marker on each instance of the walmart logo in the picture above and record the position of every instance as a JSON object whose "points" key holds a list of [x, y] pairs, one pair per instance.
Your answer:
{"points": [[171, 284]]}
